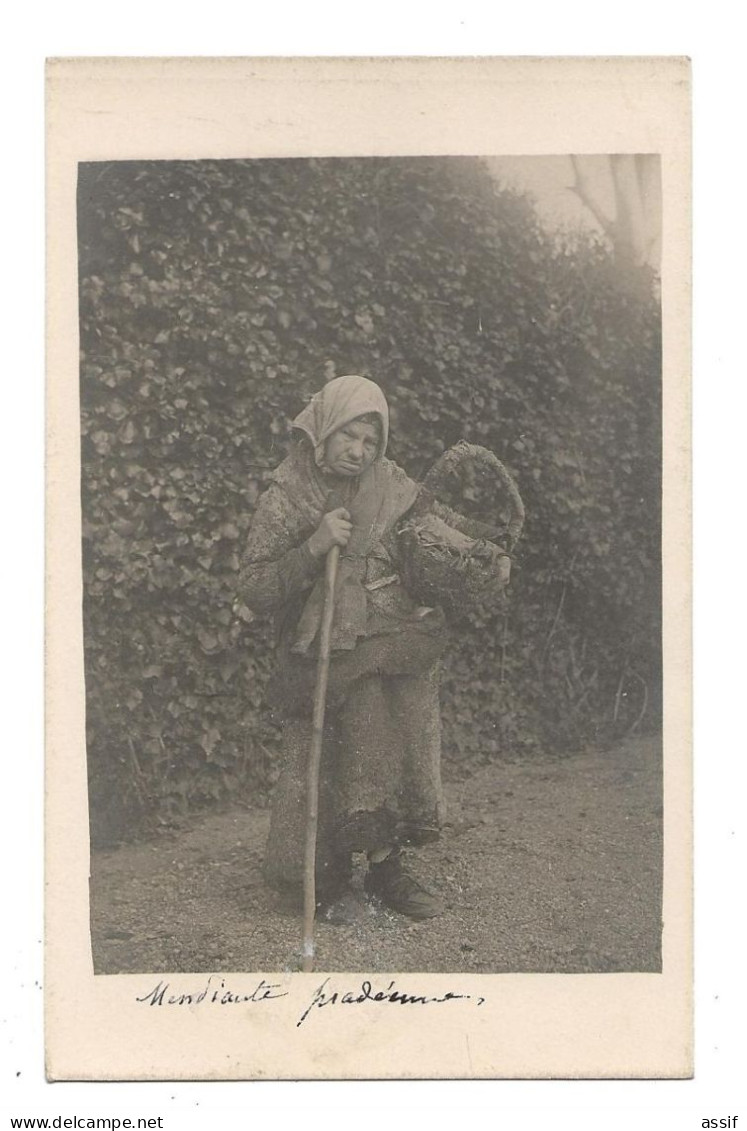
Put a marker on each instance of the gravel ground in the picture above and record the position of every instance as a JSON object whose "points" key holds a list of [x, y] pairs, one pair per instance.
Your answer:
{"points": [[547, 865]]}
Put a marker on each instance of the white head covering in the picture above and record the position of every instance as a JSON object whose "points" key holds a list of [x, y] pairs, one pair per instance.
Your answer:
{"points": [[336, 404]]}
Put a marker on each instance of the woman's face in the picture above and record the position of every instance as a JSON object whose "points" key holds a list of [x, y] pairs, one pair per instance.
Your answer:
{"points": [[352, 448]]}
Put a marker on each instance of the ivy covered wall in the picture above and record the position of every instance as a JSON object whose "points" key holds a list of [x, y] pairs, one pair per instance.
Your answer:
{"points": [[215, 298]]}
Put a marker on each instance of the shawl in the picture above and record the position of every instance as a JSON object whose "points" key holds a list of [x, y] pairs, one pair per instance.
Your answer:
{"points": [[376, 500], [335, 405]]}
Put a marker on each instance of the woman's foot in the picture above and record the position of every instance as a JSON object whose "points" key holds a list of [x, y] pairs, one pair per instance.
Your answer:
{"points": [[397, 889], [347, 909]]}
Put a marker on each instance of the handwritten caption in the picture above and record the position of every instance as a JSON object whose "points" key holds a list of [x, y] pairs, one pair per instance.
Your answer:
{"points": [[325, 995], [216, 992]]}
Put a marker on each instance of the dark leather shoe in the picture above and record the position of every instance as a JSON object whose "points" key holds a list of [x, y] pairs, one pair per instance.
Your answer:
{"points": [[333, 878], [400, 891], [347, 910]]}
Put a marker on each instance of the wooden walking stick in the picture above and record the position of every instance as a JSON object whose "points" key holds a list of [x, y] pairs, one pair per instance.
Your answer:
{"points": [[315, 757]]}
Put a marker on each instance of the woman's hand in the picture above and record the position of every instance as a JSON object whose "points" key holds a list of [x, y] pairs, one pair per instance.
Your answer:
{"points": [[334, 530], [503, 569]]}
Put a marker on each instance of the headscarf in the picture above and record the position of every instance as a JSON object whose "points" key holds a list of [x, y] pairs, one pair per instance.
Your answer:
{"points": [[340, 401], [376, 500]]}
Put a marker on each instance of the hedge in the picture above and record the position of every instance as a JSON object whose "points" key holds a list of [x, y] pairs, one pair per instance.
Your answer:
{"points": [[215, 298]]}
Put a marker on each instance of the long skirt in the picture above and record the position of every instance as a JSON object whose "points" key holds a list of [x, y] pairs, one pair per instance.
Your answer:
{"points": [[380, 780]]}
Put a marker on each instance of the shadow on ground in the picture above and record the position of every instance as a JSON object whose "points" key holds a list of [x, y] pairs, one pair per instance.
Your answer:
{"points": [[545, 866]]}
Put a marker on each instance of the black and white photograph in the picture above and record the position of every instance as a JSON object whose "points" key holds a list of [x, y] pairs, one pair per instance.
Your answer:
{"points": [[442, 375], [370, 462]]}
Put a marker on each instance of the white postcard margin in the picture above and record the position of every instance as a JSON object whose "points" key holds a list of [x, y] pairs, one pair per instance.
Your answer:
{"points": [[506, 1026]]}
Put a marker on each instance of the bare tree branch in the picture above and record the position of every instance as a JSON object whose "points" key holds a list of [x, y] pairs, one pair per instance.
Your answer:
{"points": [[631, 226], [583, 191]]}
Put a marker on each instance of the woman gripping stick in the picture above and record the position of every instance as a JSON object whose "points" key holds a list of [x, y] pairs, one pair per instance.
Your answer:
{"points": [[380, 782]]}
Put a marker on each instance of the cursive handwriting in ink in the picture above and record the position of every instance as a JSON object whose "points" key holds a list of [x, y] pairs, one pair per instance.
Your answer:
{"points": [[212, 994], [391, 995]]}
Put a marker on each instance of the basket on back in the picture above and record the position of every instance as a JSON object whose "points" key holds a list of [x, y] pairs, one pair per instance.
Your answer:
{"points": [[456, 560]]}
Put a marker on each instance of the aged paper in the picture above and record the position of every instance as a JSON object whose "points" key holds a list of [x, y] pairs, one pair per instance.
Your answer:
{"points": [[268, 1024]]}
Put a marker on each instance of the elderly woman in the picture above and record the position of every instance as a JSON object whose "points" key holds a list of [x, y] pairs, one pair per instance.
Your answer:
{"points": [[380, 778]]}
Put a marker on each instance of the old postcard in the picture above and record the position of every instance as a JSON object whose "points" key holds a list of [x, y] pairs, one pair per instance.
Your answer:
{"points": [[368, 652]]}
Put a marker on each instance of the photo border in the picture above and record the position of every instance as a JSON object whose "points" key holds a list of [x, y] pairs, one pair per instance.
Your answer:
{"points": [[529, 1026]]}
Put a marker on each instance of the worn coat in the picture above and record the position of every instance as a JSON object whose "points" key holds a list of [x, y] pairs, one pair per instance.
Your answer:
{"points": [[380, 776]]}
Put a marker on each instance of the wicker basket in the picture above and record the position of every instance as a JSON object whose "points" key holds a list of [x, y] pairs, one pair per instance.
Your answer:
{"points": [[449, 559]]}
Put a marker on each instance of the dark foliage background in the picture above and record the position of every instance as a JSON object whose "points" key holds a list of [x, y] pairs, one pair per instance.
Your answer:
{"points": [[215, 297]]}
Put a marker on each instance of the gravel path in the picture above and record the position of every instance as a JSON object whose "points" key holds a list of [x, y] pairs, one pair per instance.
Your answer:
{"points": [[545, 865]]}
